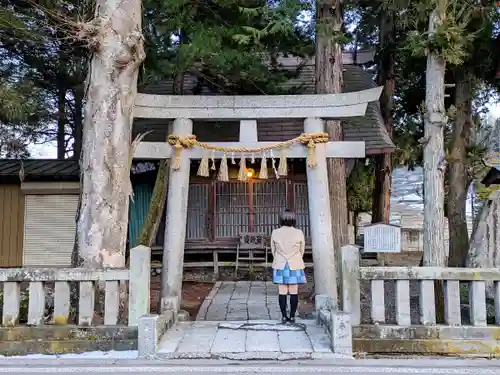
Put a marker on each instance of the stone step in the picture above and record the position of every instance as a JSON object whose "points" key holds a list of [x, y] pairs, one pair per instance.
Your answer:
{"points": [[248, 356], [244, 340]]}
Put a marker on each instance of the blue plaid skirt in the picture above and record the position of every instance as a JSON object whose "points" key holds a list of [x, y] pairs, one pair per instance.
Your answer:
{"points": [[289, 277]]}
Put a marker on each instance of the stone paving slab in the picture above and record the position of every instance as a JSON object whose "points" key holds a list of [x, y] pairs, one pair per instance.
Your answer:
{"points": [[241, 300], [262, 341], [245, 340], [240, 321]]}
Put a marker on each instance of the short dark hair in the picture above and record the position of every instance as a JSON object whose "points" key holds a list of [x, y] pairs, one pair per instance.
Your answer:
{"points": [[288, 219]]}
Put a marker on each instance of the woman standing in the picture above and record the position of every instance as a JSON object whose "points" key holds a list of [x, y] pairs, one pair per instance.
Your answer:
{"points": [[287, 246]]}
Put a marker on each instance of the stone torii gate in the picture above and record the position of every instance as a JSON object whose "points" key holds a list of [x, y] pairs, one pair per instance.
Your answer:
{"points": [[313, 108]]}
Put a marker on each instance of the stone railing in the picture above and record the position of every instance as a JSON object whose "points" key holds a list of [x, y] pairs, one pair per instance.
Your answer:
{"points": [[337, 325], [55, 284], [470, 322]]}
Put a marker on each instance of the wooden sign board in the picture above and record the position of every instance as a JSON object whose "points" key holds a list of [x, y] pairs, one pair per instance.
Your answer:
{"points": [[382, 238]]}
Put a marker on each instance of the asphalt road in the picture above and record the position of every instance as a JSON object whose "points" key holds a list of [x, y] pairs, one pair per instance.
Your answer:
{"points": [[352, 367]]}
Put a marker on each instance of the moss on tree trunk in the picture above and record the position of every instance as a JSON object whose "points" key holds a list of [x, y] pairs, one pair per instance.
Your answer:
{"points": [[156, 207]]}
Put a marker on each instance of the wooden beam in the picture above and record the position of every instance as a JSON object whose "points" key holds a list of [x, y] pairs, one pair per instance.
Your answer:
{"points": [[162, 150], [250, 107], [362, 57], [248, 131]]}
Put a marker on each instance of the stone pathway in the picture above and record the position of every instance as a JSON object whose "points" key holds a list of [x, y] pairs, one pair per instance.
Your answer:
{"points": [[241, 300], [241, 321], [245, 340]]}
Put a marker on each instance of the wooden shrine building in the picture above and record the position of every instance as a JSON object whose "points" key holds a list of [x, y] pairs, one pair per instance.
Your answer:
{"points": [[218, 212]]}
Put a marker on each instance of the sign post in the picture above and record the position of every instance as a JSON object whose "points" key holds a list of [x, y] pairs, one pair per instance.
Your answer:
{"points": [[382, 238]]}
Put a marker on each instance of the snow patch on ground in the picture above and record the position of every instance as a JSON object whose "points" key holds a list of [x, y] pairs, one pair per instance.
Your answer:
{"points": [[113, 354]]}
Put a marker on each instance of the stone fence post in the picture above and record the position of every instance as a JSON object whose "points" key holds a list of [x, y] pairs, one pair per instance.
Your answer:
{"points": [[350, 283], [139, 283]]}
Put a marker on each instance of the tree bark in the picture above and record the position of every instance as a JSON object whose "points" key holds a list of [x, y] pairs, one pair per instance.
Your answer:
{"points": [[78, 122], [381, 203], [115, 34], [61, 121], [434, 156], [434, 161], [484, 251], [329, 80], [457, 172]]}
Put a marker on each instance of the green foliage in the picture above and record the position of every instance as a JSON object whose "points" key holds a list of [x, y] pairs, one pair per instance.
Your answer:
{"points": [[37, 47], [230, 46], [447, 42], [459, 26], [360, 187], [23, 115]]}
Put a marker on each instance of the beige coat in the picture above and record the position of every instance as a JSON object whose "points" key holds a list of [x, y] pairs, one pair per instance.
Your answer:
{"points": [[288, 245]]}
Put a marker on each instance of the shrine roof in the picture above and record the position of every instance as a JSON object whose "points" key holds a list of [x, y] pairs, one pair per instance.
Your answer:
{"points": [[369, 128], [39, 170]]}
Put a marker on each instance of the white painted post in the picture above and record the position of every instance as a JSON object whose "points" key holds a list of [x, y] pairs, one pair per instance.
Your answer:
{"points": [[378, 301], [175, 226], [403, 316], [320, 218], [427, 302], [350, 290], [452, 312], [36, 304], [11, 303], [111, 303], [86, 303], [139, 283], [62, 304], [477, 302]]}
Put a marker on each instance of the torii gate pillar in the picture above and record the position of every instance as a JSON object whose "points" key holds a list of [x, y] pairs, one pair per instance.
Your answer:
{"points": [[184, 109], [175, 227], [325, 281]]}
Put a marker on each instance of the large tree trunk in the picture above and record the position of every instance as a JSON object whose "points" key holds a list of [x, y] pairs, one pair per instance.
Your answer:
{"points": [[457, 172], [434, 161], [115, 34], [78, 122], [61, 121], [329, 80], [381, 204], [434, 156], [484, 251]]}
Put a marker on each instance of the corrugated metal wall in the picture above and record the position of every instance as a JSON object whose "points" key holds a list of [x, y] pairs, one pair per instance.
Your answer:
{"points": [[49, 231], [197, 221], [138, 211], [11, 226]]}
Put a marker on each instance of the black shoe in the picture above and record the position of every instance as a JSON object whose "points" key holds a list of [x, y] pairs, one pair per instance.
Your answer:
{"points": [[291, 320], [284, 320]]}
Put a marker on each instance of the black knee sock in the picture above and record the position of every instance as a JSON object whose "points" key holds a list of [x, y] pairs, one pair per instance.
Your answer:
{"points": [[294, 301], [282, 302]]}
